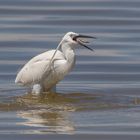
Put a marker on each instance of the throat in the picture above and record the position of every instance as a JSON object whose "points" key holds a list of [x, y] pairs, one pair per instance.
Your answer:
{"points": [[69, 56]]}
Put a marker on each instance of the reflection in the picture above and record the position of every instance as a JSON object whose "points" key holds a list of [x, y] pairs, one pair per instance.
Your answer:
{"points": [[53, 112], [49, 113], [47, 121]]}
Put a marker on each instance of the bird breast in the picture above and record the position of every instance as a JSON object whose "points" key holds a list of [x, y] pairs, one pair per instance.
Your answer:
{"points": [[59, 69]]}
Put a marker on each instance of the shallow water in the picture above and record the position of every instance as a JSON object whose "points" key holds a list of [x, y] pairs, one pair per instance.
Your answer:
{"points": [[100, 97]]}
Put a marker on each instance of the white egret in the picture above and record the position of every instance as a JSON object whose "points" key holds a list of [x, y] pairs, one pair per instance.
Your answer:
{"points": [[45, 70]]}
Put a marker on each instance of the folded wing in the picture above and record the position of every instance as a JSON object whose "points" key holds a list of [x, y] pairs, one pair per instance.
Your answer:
{"points": [[36, 68]]}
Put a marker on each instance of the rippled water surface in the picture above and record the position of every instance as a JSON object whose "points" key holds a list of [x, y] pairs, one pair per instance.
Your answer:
{"points": [[100, 98]]}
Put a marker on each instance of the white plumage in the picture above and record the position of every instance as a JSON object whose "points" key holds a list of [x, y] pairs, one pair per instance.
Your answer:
{"points": [[45, 70]]}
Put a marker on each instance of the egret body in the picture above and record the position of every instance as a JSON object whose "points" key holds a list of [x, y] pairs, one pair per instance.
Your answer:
{"points": [[45, 70]]}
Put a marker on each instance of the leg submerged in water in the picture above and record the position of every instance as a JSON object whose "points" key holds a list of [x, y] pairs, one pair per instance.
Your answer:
{"points": [[37, 89], [53, 89], [45, 89]]}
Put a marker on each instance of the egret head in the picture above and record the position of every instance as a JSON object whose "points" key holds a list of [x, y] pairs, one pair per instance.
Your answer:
{"points": [[74, 39]]}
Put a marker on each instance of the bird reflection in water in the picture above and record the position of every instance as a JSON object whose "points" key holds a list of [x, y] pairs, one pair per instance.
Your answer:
{"points": [[49, 122], [52, 112], [48, 113]]}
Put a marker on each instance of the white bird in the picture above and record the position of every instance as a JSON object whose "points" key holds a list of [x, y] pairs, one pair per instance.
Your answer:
{"points": [[45, 70]]}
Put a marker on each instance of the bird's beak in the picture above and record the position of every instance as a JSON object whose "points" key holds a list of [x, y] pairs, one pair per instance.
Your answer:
{"points": [[82, 42]]}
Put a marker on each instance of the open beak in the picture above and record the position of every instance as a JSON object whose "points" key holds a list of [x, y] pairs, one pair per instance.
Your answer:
{"points": [[78, 39]]}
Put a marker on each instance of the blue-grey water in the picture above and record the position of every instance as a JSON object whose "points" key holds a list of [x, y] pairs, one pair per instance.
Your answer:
{"points": [[100, 98]]}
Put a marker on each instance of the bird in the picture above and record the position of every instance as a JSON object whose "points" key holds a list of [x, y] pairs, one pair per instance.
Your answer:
{"points": [[45, 70]]}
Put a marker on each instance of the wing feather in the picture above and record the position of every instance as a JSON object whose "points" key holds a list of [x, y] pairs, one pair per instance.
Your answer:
{"points": [[34, 70]]}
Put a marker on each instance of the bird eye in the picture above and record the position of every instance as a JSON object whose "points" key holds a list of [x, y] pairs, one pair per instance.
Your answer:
{"points": [[74, 38]]}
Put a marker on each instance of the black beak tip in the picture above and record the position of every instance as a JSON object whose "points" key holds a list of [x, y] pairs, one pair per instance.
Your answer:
{"points": [[90, 37], [90, 49]]}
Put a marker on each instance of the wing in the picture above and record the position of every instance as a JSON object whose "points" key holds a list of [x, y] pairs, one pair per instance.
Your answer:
{"points": [[35, 69], [47, 56]]}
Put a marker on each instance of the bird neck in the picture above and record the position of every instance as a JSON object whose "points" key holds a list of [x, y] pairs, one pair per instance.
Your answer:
{"points": [[68, 53]]}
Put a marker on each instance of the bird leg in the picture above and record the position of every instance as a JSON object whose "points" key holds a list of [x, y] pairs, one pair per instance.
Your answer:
{"points": [[37, 89], [49, 90], [53, 89]]}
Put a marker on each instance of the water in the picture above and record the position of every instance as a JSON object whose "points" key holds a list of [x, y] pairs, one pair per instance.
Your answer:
{"points": [[100, 99]]}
